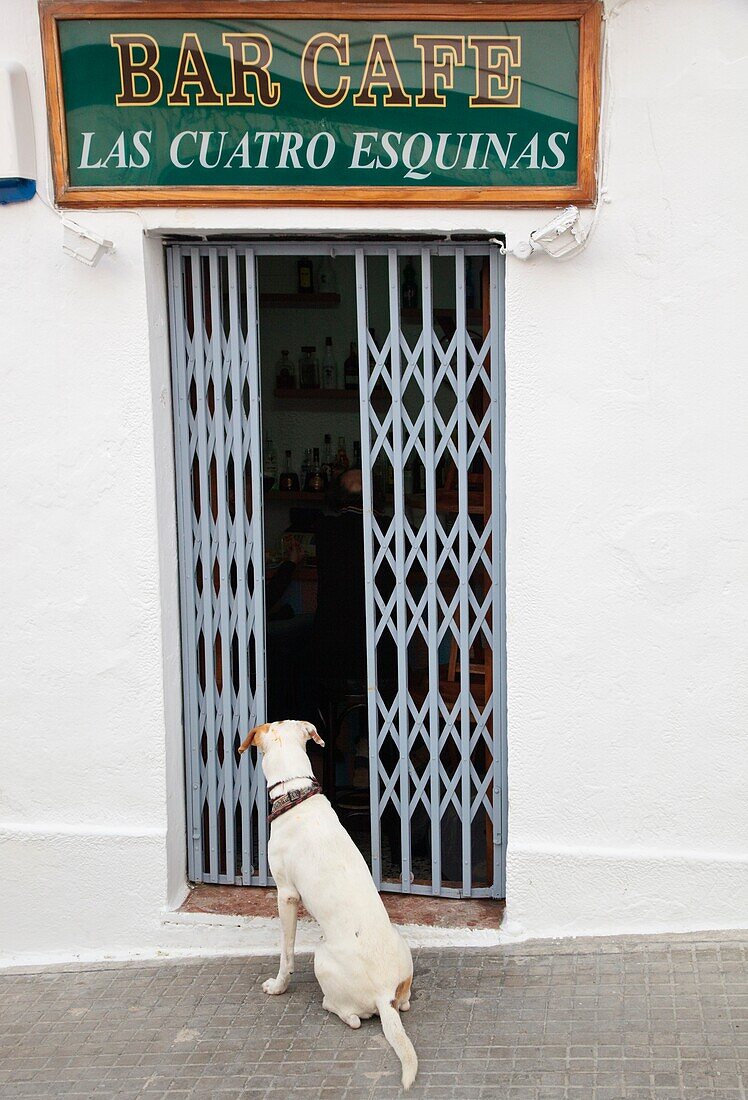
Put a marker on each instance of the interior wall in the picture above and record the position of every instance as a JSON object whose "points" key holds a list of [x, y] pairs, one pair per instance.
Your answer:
{"points": [[627, 480]]}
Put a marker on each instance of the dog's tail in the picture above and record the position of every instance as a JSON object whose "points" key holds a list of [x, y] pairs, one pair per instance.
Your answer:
{"points": [[394, 1033]]}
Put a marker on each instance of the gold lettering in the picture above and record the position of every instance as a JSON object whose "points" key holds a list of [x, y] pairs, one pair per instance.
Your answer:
{"points": [[192, 69], [439, 55], [242, 68], [494, 56], [339, 44], [381, 71], [132, 71]]}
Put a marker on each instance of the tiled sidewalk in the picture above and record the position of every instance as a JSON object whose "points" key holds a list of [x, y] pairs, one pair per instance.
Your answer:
{"points": [[593, 1019]]}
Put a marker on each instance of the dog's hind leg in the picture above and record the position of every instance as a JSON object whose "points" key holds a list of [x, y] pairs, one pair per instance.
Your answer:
{"points": [[288, 911], [349, 1018], [333, 1000]]}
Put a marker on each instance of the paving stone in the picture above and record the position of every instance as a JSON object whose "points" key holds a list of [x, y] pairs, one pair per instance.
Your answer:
{"points": [[639, 1019]]}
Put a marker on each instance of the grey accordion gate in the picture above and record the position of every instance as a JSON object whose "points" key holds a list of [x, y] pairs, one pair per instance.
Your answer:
{"points": [[431, 405], [213, 307]]}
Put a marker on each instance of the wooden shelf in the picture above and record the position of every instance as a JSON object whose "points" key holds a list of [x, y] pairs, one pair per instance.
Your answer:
{"points": [[447, 501], [277, 496], [414, 316], [299, 301], [298, 393]]}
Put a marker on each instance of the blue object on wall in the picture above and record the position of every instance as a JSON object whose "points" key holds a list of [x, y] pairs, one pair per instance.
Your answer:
{"points": [[16, 189]]}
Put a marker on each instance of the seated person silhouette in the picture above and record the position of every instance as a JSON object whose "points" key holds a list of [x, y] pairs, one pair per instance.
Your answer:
{"points": [[340, 663]]}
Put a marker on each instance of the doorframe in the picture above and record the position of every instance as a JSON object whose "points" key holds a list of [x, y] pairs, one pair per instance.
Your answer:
{"points": [[326, 243]]}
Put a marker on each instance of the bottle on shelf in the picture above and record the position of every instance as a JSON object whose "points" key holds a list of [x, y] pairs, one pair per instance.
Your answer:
{"points": [[315, 483], [341, 458], [326, 468], [350, 369], [305, 276], [329, 367], [409, 287], [285, 375], [269, 464], [327, 279], [289, 481], [357, 454], [308, 368], [305, 468]]}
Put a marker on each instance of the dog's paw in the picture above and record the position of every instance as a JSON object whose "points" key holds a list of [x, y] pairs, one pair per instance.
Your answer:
{"points": [[274, 986]]}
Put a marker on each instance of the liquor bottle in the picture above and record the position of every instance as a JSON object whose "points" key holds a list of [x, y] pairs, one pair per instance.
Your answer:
{"points": [[269, 464], [289, 482], [315, 483], [350, 369], [409, 288], [308, 368], [326, 468], [329, 367], [306, 467], [341, 459], [356, 454], [327, 280], [305, 276], [285, 375]]}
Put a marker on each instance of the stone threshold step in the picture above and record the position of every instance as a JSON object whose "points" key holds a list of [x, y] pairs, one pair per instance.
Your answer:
{"points": [[259, 901]]}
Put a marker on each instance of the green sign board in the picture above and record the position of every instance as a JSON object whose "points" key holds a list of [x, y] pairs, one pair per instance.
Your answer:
{"points": [[218, 107]]}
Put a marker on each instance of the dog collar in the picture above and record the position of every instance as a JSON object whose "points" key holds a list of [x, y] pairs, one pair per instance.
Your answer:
{"points": [[287, 801]]}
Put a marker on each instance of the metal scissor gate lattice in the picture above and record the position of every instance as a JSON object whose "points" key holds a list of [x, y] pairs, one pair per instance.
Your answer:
{"points": [[429, 320]]}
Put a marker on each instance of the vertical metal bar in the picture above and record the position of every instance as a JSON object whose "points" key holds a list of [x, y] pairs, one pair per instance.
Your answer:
{"points": [[201, 385], [186, 560], [366, 479], [240, 513], [258, 554], [463, 579], [224, 583], [431, 558], [399, 517], [498, 542]]}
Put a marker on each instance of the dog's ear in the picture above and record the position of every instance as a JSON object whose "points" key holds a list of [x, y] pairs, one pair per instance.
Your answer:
{"points": [[311, 731], [251, 738]]}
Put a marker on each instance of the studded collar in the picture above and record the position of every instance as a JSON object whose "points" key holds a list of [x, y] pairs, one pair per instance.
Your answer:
{"points": [[287, 801]]}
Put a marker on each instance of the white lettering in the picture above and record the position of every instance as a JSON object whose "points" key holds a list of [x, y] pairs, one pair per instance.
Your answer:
{"points": [[86, 151], [442, 148], [472, 152], [292, 142], [531, 152], [501, 152], [414, 168], [117, 152], [138, 141], [205, 136], [360, 149], [242, 152], [388, 140], [555, 148], [312, 146], [265, 136], [174, 149]]}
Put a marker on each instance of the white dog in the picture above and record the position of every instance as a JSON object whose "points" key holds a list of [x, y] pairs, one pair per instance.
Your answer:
{"points": [[363, 966]]}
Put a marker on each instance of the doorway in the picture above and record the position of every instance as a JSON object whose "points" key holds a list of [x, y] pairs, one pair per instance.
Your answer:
{"points": [[414, 373]]}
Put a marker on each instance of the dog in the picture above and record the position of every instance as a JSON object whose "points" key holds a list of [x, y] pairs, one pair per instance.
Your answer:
{"points": [[364, 966]]}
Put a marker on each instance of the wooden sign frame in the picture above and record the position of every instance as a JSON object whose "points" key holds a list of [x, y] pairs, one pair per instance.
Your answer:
{"points": [[588, 12]]}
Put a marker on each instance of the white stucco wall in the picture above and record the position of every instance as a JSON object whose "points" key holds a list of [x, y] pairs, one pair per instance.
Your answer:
{"points": [[627, 543]]}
